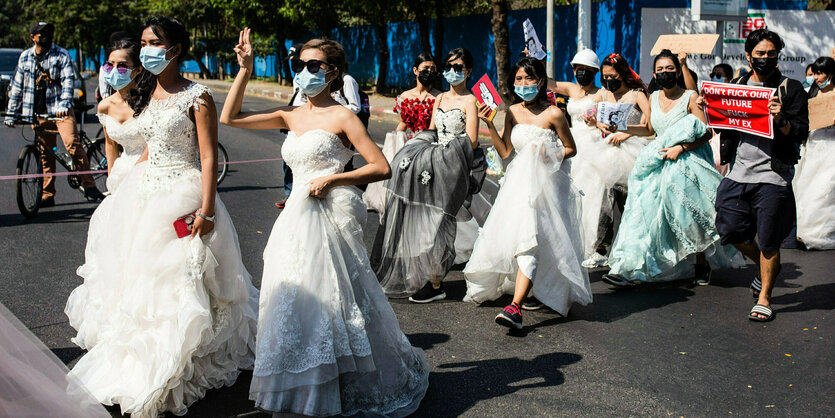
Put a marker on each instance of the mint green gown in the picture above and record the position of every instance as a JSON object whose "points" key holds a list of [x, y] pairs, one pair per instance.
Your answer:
{"points": [[669, 214]]}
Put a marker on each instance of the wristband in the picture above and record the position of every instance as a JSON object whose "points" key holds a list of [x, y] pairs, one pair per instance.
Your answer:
{"points": [[682, 148], [206, 217]]}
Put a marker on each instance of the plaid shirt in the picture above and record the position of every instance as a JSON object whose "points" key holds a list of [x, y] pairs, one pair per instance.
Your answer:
{"points": [[58, 94]]}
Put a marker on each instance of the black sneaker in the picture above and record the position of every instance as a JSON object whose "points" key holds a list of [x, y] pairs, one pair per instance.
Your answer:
{"points": [[532, 304], [47, 202], [428, 294], [92, 194], [510, 317], [703, 274], [616, 280]]}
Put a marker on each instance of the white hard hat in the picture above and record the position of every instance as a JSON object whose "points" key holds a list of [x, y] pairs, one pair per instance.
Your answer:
{"points": [[586, 57]]}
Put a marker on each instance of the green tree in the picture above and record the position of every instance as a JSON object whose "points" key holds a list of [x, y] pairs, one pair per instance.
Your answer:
{"points": [[14, 21]]}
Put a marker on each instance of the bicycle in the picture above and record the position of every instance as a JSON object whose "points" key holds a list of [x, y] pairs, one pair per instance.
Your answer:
{"points": [[29, 184]]}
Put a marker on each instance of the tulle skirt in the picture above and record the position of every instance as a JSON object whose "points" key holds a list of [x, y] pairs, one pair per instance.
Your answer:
{"points": [[121, 167], [814, 191], [535, 227], [328, 340], [33, 382], [669, 214], [430, 184], [597, 169], [375, 194], [164, 318]]}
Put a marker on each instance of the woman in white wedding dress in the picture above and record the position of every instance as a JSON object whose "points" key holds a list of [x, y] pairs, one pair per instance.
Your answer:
{"points": [[814, 181], [532, 238], [328, 340], [165, 318]]}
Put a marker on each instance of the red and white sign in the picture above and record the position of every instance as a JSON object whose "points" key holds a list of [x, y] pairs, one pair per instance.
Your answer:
{"points": [[739, 107], [486, 94]]}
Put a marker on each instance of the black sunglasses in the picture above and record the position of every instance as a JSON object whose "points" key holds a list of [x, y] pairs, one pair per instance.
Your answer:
{"points": [[458, 68], [313, 66]]}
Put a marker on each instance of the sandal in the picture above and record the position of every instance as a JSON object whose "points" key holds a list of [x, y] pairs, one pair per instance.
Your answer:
{"points": [[762, 310]]}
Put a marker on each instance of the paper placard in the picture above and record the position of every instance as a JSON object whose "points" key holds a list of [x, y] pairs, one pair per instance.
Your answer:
{"points": [[692, 43], [821, 112], [486, 94], [832, 53], [738, 107], [535, 48], [609, 113]]}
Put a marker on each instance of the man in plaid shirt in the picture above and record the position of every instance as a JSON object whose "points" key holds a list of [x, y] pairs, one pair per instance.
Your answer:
{"points": [[43, 84]]}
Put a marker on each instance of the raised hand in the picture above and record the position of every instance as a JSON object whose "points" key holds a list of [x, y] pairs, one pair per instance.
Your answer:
{"points": [[244, 50], [682, 58]]}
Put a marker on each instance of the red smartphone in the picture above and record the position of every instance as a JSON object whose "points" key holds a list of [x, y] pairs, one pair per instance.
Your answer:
{"points": [[182, 226]]}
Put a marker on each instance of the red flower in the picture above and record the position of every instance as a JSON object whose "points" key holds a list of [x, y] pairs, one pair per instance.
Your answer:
{"points": [[416, 114]]}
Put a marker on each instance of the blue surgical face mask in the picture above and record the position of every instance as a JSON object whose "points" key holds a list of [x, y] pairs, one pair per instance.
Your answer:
{"points": [[116, 79], [453, 77], [825, 84], [717, 79], [808, 81], [310, 84], [153, 59], [528, 92]]}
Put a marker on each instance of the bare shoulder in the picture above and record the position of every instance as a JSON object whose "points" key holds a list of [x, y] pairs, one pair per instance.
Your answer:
{"points": [[104, 105], [555, 113]]}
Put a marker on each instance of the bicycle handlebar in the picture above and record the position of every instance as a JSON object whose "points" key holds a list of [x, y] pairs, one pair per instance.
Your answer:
{"points": [[18, 118]]}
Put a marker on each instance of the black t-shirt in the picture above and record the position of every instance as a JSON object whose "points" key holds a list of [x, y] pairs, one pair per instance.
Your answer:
{"points": [[41, 82]]}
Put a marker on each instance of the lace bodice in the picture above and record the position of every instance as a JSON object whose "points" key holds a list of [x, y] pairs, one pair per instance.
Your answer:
{"points": [[660, 120], [450, 124], [128, 134], [523, 135], [313, 154], [173, 151]]}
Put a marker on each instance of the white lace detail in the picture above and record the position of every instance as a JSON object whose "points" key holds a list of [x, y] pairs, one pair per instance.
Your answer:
{"points": [[404, 163], [280, 348], [313, 154], [128, 134], [450, 124], [425, 177], [173, 151]]}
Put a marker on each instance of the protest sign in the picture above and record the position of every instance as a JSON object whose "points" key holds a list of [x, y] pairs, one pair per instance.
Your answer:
{"points": [[693, 44], [486, 94], [738, 107], [821, 112], [613, 114], [535, 48]]}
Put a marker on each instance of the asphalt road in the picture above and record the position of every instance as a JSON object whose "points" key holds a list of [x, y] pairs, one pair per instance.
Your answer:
{"points": [[663, 350]]}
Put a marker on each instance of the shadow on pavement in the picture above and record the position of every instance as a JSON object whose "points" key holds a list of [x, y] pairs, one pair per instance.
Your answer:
{"points": [[427, 341], [817, 297], [222, 189], [452, 392], [51, 215], [67, 354]]}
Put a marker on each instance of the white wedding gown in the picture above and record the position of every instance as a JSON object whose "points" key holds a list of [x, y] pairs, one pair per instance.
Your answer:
{"points": [[534, 226], [127, 134], [328, 341], [814, 191], [597, 169], [163, 318]]}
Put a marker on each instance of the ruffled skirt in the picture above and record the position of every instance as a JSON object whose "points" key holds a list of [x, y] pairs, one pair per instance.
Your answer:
{"points": [[329, 343], [539, 200], [163, 318], [814, 191]]}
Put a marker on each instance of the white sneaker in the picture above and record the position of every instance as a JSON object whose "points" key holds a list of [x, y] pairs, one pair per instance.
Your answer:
{"points": [[596, 260]]}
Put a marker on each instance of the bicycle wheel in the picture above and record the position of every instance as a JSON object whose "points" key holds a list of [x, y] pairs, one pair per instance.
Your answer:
{"points": [[222, 159], [98, 161], [29, 190]]}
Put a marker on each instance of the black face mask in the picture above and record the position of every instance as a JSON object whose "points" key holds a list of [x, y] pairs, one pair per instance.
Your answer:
{"points": [[613, 84], [44, 41], [584, 77], [667, 79], [764, 66], [427, 77]]}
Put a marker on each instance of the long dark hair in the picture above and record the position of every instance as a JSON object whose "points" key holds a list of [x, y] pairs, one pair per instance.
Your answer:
{"points": [[534, 68], [423, 57], [172, 31], [144, 82], [629, 77], [462, 53]]}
